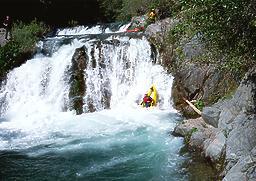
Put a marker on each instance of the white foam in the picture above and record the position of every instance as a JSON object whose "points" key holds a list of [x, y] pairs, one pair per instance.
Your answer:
{"points": [[82, 30], [37, 92]]}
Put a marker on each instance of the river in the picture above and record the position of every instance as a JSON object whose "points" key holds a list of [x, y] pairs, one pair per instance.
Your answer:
{"points": [[42, 138]]}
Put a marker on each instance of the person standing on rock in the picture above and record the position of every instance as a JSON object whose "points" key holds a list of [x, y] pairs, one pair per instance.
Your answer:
{"points": [[152, 16], [7, 26]]}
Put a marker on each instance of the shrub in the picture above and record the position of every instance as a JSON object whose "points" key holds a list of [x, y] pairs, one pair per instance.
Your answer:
{"points": [[26, 35], [199, 104], [226, 27], [123, 10], [24, 38]]}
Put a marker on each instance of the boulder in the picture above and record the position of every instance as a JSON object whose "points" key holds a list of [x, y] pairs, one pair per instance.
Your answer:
{"points": [[196, 132], [77, 80], [211, 115], [214, 148], [236, 119], [160, 29]]}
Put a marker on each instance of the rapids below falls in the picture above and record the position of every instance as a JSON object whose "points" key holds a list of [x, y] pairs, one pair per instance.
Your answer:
{"points": [[42, 137]]}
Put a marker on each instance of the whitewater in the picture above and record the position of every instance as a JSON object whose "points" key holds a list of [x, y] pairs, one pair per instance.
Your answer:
{"points": [[42, 137]]}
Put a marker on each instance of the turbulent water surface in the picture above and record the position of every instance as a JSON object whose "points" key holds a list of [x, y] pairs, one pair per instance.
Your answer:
{"points": [[41, 137]]}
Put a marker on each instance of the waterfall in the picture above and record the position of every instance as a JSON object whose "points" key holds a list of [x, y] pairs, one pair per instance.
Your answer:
{"points": [[118, 71], [78, 99]]}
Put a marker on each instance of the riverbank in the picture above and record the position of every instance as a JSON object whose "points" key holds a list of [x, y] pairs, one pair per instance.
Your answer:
{"points": [[225, 134]]}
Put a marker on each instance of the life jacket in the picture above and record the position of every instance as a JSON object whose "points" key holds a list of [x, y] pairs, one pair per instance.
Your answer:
{"points": [[147, 99], [152, 15]]}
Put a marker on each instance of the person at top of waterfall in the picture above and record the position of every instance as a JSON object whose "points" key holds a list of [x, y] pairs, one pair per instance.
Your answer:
{"points": [[7, 26], [147, 100], [152, 15]]}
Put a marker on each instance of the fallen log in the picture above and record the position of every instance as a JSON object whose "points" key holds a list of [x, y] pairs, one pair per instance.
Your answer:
{"points": [[192, 106]]}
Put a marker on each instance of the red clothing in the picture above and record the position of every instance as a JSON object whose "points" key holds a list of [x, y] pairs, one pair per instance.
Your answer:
{"points": [[147, 99]]}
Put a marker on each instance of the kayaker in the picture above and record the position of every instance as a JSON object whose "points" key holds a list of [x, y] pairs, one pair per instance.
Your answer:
{"points": [[147, 100]]}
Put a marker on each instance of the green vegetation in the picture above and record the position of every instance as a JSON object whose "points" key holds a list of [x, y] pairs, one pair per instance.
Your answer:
{"points": [[189, 134], [199, 104], [227, 28], [22, 44], [124, 10], [26, 35]]}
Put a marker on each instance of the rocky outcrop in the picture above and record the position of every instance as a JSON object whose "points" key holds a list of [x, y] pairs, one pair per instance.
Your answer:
{"points": [[77, 80], [237, 119], [157, 34], [228, 136], [158, 31], [199, 82], [200, 136], [226, 132], [192, 81]]}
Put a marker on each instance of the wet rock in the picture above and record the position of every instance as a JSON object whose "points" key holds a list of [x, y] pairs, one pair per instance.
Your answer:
{"points": [[77, 80], [195, 131]]}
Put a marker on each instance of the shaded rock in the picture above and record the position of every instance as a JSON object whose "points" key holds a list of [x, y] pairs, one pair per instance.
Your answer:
{"points": [[193, 48], [77, 80], [194, 82]]}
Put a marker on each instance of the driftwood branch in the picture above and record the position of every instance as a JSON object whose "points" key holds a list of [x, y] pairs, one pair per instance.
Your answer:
{"points": [[192, 106]]}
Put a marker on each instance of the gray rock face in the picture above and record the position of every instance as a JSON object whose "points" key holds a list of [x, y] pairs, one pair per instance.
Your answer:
{"points": [[159, 29], [244, 169], [193, 48], [216, 147], [203, 82], [241, 140], [233, 136], [211, 115], [236, 117]]}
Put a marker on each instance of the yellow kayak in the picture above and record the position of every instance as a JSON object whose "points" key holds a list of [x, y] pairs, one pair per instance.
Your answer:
{"points": [[152, 92]]}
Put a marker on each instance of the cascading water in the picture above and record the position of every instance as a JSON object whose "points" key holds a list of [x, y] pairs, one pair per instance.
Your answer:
{"points": [[42, 138]]}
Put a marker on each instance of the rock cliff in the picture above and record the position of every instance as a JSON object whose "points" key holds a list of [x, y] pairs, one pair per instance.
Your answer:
{"points": [[226, 132]]}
